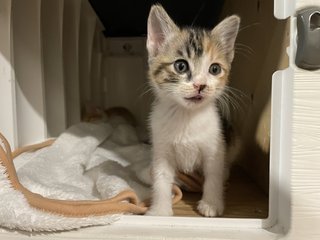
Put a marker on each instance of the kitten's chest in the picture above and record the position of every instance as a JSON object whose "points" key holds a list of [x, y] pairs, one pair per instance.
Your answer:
{"points": [[187, 155], [186, 135], [182, 127], [187, 146]]}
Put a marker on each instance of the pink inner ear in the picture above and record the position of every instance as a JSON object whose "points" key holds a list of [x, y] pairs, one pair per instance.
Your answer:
{"points": [[159, 26], [151, 44], [155, 34], [157, 40]]}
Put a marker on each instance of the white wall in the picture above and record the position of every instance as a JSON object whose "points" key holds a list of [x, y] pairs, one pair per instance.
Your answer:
{"points": [[7, 84], [47, 62], [71, 25], [125, 77], [28, 66], [53, 67]]}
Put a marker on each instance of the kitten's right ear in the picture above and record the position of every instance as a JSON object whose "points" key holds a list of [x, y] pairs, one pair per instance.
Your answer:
{"points": [[160, 26]]}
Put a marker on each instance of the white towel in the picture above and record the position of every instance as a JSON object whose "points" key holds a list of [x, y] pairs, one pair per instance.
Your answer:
{"points": [[87, 162]]}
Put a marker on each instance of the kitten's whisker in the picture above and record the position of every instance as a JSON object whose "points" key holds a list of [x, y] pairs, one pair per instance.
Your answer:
{"points": [[242, 54], [229, 100], [224, 107], [237, 106], [143, 86], [234, 98], [248, 26], [199, 11], [145, 92], [232, 89], [245, 47], [243, 50], [144, 89]]}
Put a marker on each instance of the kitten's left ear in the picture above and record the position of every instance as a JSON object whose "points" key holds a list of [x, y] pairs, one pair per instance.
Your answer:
{"points": [[160, 27], [226, 32]]}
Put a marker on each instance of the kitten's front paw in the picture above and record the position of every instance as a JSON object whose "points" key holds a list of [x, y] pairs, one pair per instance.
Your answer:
{"points": [[210, 210], [159, 212]]}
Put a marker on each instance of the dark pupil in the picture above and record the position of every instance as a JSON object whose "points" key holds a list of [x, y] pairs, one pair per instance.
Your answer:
{"points": [[215, 69], [181, 66]]}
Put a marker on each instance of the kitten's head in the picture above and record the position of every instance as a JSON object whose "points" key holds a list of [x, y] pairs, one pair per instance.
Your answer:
{"points": [[189, 65]]}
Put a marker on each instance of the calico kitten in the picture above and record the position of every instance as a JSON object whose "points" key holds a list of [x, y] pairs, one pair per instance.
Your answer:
{"points": [[188, 69]]}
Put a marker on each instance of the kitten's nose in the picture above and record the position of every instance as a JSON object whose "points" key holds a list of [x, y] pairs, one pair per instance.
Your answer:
{"points": [[199, 87]]}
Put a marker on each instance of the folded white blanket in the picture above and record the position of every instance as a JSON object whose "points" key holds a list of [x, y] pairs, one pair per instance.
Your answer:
{"points": [[87, 162]]}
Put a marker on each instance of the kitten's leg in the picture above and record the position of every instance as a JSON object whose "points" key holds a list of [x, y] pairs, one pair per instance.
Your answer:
{"points": [[163, 177], [212, 202]]}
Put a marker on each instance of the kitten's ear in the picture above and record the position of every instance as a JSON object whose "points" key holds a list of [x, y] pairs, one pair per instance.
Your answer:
{"points": [[160, 27], [226, 32]]}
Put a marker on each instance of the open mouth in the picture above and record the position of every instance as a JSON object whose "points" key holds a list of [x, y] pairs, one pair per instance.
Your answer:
{"points": [[195, 99]]}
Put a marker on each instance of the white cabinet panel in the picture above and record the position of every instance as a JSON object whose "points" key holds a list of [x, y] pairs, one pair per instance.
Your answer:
{"points": [[52, 45], [71, 26], [7, 82], [30, 100]]}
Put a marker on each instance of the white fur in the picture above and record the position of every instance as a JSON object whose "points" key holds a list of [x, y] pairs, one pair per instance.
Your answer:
{"points": [[187, 139]]}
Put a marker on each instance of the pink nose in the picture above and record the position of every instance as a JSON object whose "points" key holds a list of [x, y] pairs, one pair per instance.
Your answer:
{"points": [[199, 87]]}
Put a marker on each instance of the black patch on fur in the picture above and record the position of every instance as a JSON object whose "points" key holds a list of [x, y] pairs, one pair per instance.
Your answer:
{"points": [[160, 68], [195, 41], [170, 80], [189, 75], [180, 53], [188, 51], [227, 128]]}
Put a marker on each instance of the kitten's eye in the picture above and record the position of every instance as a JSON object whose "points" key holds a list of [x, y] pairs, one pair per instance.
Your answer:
{"points": [[215, 69], [181, 66]]}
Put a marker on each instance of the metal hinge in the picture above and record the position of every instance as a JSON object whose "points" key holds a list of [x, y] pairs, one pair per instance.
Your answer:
{"points": [[308, 38]]}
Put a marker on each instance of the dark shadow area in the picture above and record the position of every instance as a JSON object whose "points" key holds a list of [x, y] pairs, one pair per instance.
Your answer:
{"points": [[125, 18]]}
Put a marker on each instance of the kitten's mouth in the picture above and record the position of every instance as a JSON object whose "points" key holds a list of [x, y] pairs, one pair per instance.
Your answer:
{"points": [[195, 99]]}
